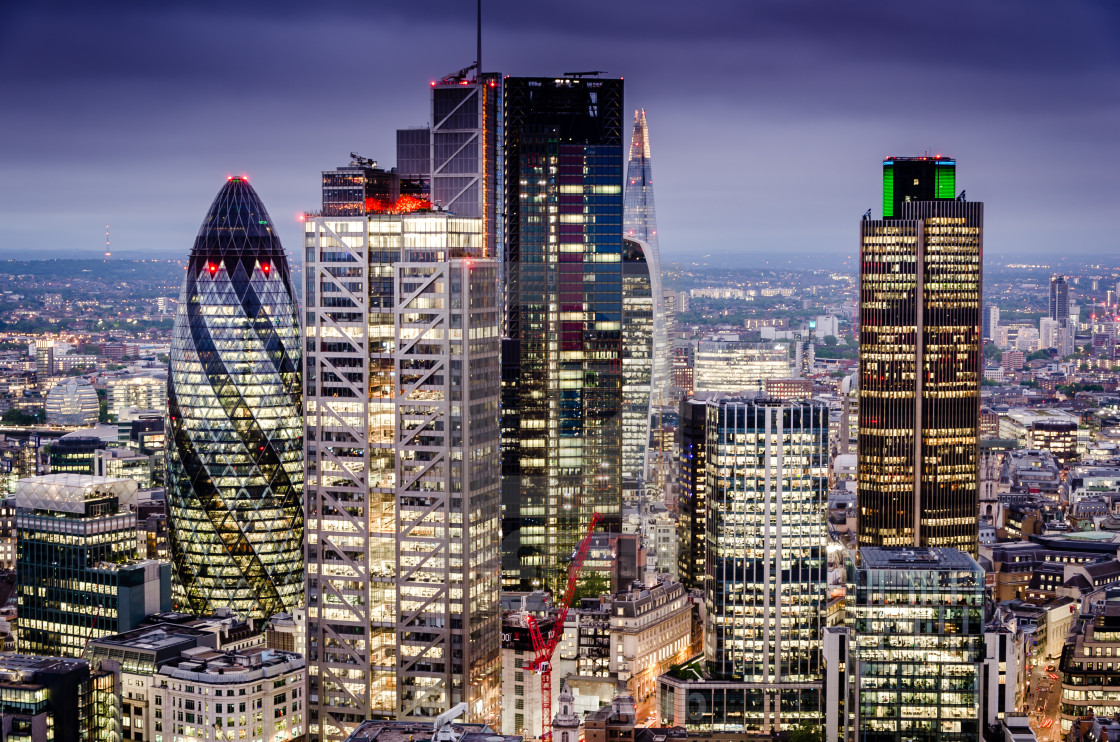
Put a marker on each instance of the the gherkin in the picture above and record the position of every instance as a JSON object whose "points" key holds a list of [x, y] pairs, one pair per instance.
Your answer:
{"points": [[234, 454]]}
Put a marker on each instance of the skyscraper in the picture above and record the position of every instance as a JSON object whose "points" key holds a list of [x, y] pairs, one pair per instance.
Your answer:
{"points": [[234, 475], [639, 221], [1059, 299], [638, 320], [402, 469], [991, 321], [562, 456], [920, 361], [765, 586]]}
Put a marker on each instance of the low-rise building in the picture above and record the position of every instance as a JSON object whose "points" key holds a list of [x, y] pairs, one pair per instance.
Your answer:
{"points": [[1090, 668], [207, 694], [650, 631]]}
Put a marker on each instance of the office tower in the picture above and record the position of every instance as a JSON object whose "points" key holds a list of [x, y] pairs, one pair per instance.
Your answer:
{"points": [[638, 321], [804, 353], [74, 453], [234, 478], [691, 509], [766, 569], [72, 403], [725, 365], [138, 393], [1059, 298], [63, 700], [351, 189], [563, 233], [79, 578], [639, 221], [917, 645], [402, 462], [991, 321], [414, 161], [466, 151], [920, 362]]}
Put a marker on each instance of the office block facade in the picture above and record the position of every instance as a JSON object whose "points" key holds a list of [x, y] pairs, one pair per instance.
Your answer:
{"points": [[51, 698], [691, 488], [766, 566], [917, 646], [401, 468], [562, 460], [235, 433], [920, 366], [79, 578]]}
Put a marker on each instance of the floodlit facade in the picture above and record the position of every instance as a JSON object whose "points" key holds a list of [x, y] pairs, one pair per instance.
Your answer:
{"points": [[639, 222], [734, 366], [235, 432], [917, 645], [139, 392], [562, 358], [920, 361], [402, 469], [72, 403], [638, 319], [766, 536]]}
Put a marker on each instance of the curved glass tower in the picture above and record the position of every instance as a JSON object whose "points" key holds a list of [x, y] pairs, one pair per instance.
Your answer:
{"points": [[234, 454], [639, 222]]}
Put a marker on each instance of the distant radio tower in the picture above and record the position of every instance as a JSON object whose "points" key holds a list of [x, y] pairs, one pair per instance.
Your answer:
{"points": [[108, 254]]}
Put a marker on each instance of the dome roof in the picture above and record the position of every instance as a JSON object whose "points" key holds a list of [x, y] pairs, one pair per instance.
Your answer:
{"points": [[236, 225]]}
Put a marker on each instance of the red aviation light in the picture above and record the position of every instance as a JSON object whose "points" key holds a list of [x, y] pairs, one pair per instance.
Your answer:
{"points": [[266, 268], [212, 268]]}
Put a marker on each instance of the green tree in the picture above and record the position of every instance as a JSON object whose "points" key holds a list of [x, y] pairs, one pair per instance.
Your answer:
{"points": [[591, 584], [807, 732], [18, 417], [830, 340]]}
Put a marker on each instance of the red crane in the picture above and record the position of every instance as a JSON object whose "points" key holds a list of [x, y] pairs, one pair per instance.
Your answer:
{"points": [[543, 648]]}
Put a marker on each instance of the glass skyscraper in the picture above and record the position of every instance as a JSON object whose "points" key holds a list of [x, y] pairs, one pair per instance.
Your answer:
{"points": [[765, 584], [639, 222], [920, 361], [637, 356], [562, 359], [235, 428], [403, 534]]}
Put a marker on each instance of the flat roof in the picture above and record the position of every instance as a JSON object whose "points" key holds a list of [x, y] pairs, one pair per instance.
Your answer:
{"points": [[916, 557]]}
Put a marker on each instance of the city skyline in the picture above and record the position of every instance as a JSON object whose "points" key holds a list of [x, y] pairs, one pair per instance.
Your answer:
{"points": [[1023, 94]]}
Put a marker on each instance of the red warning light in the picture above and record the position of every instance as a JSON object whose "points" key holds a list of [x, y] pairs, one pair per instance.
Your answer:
{"points": [[266, 267], [213, 268]]}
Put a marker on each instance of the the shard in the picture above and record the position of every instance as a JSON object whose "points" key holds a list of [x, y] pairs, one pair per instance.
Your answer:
{"points": [[234, 457], [640, 225]]}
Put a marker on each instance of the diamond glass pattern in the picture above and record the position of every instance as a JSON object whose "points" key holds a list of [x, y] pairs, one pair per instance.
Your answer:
{"points": [[234, 459]]}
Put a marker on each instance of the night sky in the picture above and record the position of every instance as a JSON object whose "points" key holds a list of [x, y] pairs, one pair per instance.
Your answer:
{"points": [[768, 119]]}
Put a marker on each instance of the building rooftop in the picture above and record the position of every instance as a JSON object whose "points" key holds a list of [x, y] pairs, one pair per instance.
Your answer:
{"points": [[914, 557], [408, 731], [68, 493]]}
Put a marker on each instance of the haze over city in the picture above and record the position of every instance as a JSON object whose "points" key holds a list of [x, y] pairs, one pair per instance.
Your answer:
{"points": [[768, 120]]}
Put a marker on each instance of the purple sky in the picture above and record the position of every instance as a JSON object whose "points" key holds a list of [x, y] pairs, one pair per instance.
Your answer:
{"points": [[768, 118]]}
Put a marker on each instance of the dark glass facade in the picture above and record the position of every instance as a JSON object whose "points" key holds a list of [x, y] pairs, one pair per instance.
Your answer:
{"points": [[638, 310], [920, 366], [690, 494], [235, 440], [74, 455], [563, 240]]}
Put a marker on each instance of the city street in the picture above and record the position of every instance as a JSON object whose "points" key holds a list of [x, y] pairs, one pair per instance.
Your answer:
{"points": [[1047, 699]]}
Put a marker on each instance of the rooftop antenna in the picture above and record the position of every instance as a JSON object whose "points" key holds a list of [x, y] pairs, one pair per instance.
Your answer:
{"points": [[478, 42], [108, 254]]}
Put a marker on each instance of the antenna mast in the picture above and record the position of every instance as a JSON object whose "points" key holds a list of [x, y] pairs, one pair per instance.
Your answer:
{"points": [[478, 42], [108, 254]]}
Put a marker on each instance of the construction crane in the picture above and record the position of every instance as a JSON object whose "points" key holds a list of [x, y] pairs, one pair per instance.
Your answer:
{"points": [[543, 648]]}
